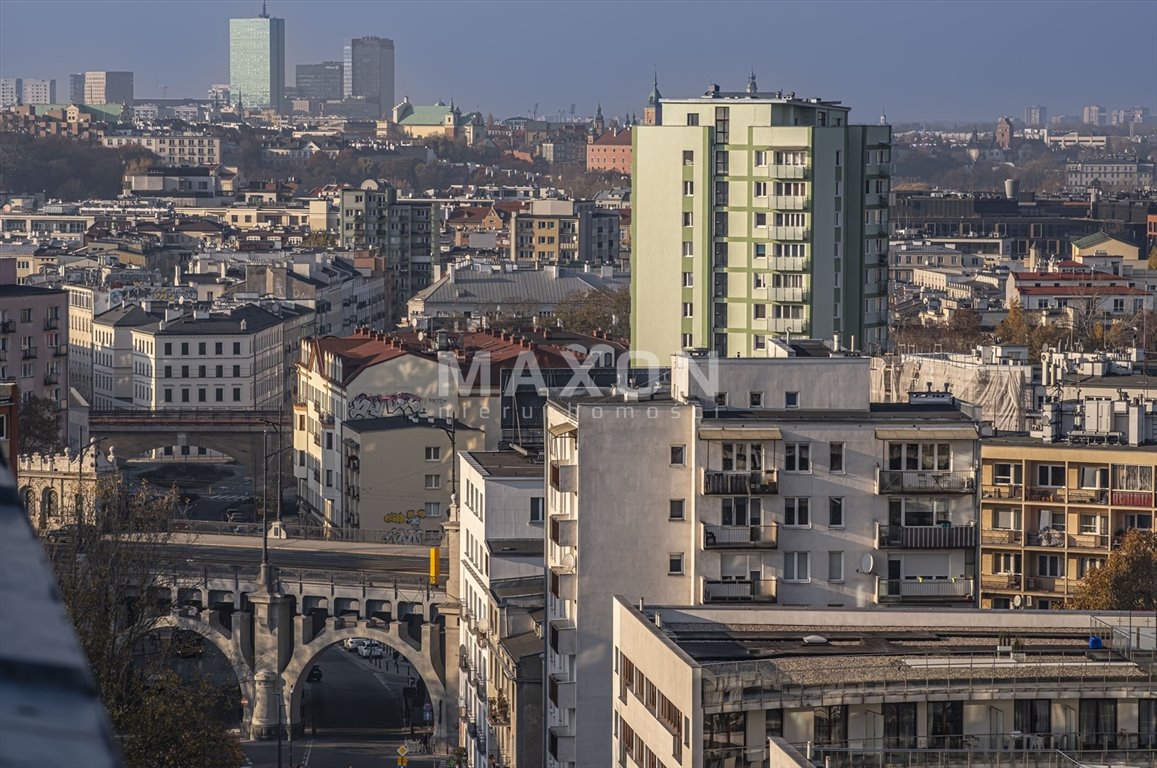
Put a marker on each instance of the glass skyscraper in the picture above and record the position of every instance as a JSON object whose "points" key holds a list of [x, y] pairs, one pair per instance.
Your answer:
{"points": [[369, 71], [257, 61]]}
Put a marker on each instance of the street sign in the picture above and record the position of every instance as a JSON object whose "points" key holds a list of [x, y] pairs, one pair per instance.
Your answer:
{"points": [[403, 751], [428, 712], [402, 762]]}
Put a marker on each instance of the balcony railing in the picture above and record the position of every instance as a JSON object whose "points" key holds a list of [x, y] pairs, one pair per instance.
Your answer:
{"points": [[1001, 581], [51, 323], [789, 295], [924, 590], [28, 353], [60, 350], [51, 378], [1050, 584], [1098, 496], [784, 325], [1010, 492], [740, 536], [564, 477], [1046, 537], [789, 263], [7, 326], [1132, 498], [790, 202], [925, 537], [1001, 536], [1088, 540], [1047, 495], [741, 591], [760, 482], [921, 481], [875, 230], [790, 171], [877, 169], [789, 233]]}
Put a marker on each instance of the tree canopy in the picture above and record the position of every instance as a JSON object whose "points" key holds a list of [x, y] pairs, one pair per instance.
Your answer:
{"points": [[600, 310], [1128, 580], [38, 425], [65, 169]]}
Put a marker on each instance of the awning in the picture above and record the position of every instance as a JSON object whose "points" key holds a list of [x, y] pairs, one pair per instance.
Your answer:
{"points": [[932, 433], [741, 433], [561, 429]]}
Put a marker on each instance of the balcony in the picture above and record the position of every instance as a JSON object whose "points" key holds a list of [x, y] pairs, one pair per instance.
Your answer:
{"points": [[563, 583], [564, 477], [562, 693], [925, 537], [924, 481], [875, 230], [789, 233], [790, 202], [740, 536], [877, 169], [1050, 584], [790, 171], [781, 325], [924, 590], [1009, 492], [755, 483], [51, 323], [789, 295], [563, 637], [564, 531], [1046, 537], [1046, 495], [28, 353], [1001, 581], [1092, 496], [1132, 498], [325, 418], [7, 326], [740, 591], [560, 745], [51, 378], [875, 199], [1000, 536], [60, 350], [1098, 541]]}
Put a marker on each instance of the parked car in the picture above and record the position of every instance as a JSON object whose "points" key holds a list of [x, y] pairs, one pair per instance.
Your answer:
{"points": [[366, 650], [314, 675], [68, 533], [351, 644]]}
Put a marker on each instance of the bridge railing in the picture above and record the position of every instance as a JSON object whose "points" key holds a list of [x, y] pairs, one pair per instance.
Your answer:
{"points": [[313, 532], [348, 578], [128, 416]]}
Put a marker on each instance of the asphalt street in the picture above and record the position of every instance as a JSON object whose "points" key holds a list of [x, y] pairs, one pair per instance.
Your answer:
{"points": [[248, 555], [353, 719]]}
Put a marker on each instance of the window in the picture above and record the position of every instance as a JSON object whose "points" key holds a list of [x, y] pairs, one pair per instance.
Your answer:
{"points": [[836, 511], [236, 371], [760, 158], [201, 395], [184, 395], [678, 455], [791, 399], [537, 509], [761, 189], [201, 348], [761, 250], [899, 724], [692, 118], [759, 341], [184, 371], [946, 724], [796, 511], [433, 482], [688, 248], [236, 347], [688, 279], [761, 219], [1033, 716], [1004, 473], [688, 219], [433, 509], [759, 280], [675, 564], [914, 457], [220, 371], [688, 156], [688, 309], [218, 348], [721, 399], [677, 510], [200, 371], [742, 457], [759, 311], [797, 457], [836, 457], [685, 340], [168, 395], [329, 478], [1007, 563], [742, 510], [835, 566], [796, 566], [1048, 565], [1087, 565], [168, 348], [433, 453], [1006, 518], [688, 188], [1050, 475], [184, 347], [754, 399], [236, 394]]}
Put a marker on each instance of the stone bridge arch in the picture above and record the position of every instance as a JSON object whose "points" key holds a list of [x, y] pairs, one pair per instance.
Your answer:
{"points": [[243, 447], [225, 643], [423, 657]]}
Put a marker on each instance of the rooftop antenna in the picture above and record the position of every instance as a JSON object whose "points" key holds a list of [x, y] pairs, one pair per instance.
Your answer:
{"points": [[264, 12]]}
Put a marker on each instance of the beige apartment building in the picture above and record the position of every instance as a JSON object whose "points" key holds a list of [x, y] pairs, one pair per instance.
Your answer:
{"points": [[564, 232], [171, 148], [758, 215], [1055, 504]]}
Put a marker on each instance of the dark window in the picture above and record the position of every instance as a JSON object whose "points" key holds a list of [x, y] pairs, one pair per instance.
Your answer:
{"points": [[725, 730], [168, 348], [830, 725], [184, 371], [184, 347], [168, 395], [236, 394], [200, 371], [1098, 724], [184, 395], [201, 348], [945, 724], [168, 371], [676, 510], [220, 371], [218, 348], [201, 395], [236, 371], [236, 347], [900, 725], [219, 395], [1032, 716]]}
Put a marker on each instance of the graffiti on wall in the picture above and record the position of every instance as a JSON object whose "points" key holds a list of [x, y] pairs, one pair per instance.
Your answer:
{"points": [[401, 403], [408, 528]]}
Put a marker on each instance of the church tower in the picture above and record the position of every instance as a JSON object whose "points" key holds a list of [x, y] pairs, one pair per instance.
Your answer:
{"points": [[653, 112]]}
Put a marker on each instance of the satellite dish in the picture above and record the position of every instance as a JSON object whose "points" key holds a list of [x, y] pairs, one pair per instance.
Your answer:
{"points": [[568, 561], [867, 563], [1017, 601]]}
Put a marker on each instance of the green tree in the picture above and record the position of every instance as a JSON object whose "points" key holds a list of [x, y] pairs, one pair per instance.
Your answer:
{"points": [[1153, 257], [38, 425], [108, 575], [1128, 580], [599, 310]]}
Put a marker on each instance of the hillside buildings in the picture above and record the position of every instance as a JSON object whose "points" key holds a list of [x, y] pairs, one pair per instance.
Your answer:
{"points": [[757, 215], [257, 61], [753, 487], [173, 148]]}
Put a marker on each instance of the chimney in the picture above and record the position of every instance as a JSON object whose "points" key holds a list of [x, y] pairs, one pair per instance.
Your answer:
{"points": [[176, 274], [450, 272]]}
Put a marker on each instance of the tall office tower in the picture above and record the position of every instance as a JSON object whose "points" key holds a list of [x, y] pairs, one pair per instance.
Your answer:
{"points": [[257, 61], [1094, 114], [38, 91], [320, 82], [10, 91], [758, 215], [1036, 116], [76, 88], [369, 71], [104, 87]]}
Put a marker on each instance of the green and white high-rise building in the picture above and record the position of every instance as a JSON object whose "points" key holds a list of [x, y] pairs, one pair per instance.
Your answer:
{"points": [[758, 215], [257, 61]]}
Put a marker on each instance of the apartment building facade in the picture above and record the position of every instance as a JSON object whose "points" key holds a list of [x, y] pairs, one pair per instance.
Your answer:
{"points": [[757, 215], [1125, 174], [171, 148], [257, 62], [502, 511], [687, 692], [103, 87], [404, 231], [756, 488], [34, 341], [564, 232], [1056, 503], [84, 304]]}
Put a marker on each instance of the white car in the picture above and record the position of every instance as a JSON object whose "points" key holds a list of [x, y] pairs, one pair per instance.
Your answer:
{"points": [[354, 643], [370, 649]]}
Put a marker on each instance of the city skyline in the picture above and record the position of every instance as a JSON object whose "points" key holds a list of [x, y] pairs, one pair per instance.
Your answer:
{"points": [[592, 69]]}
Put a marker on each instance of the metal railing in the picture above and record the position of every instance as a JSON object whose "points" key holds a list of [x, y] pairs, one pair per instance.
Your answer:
{"points": [[1001, 536], [925, 481], [967, 752], [1010, 492], [925, 537], [728, 483], [919, 590], [790, 171], [1132, 498], [741, 590], [741, 536]]}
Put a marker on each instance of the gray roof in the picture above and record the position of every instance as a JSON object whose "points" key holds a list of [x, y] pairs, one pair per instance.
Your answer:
{"points": [[127, 316], [526, 644], [255, 319], [484, 285], [504, 464]]}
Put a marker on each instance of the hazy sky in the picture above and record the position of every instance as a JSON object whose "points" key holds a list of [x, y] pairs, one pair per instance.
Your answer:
{"points": [[917, 60]]}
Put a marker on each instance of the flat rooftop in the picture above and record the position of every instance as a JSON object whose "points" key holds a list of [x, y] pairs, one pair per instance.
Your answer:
{"points": [[504, 464]]}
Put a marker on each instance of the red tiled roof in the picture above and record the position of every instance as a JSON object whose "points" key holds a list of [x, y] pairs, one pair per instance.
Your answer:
{"points": [[622, 137]]}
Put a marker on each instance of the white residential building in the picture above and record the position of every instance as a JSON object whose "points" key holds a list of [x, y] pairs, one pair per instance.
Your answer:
{"points": [[752, 486], [172, 148], [502, 509]]}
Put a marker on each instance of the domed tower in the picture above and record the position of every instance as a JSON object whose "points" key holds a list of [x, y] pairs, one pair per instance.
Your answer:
{"points": [[653, 112]]}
